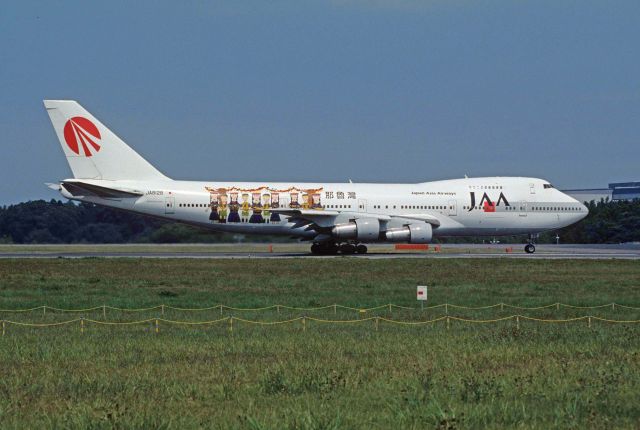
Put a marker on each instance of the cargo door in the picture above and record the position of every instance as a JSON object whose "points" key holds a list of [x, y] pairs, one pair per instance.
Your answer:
{"points": [[453, 210]]}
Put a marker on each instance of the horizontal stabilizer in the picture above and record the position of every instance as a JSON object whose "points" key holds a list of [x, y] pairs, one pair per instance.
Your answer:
{"points": [[76, 188], [54, 186]]}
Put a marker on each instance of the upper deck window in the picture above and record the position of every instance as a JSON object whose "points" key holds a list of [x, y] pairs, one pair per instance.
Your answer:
{"points": [[548, 186]]}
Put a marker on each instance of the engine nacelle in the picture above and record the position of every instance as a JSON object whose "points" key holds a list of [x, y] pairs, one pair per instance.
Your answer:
{"points": [[362, 229], [413, 233]]}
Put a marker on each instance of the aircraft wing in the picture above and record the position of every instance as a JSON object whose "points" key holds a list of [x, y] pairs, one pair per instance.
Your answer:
{"points": [[421, 217], [326, 218], [301, 213]]}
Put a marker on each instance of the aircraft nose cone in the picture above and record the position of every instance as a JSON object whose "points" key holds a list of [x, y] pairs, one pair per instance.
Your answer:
{"points": [[585, 211]]}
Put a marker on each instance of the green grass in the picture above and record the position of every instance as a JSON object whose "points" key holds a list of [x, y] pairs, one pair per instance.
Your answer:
{"points": [[325, 376]]}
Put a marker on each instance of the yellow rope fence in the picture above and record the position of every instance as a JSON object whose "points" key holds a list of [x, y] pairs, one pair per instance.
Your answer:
{"points": [[303, 320]]}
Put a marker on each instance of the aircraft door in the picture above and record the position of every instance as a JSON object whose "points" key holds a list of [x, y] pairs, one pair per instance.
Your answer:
{"points": [[169, 204], [362, 205], [453, 210], [522, 206]]}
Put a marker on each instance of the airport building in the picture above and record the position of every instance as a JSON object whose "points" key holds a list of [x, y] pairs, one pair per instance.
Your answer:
{"points": [[617, 191]]}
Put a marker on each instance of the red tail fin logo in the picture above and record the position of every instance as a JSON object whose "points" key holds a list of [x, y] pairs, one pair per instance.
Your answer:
{"points": [[82, 134]]}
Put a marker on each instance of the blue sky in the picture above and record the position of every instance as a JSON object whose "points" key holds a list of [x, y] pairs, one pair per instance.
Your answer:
{"points": [[379, 91]]}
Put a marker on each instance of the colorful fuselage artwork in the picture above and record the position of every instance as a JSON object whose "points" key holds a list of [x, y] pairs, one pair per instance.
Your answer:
{"points": [[255, 205]]}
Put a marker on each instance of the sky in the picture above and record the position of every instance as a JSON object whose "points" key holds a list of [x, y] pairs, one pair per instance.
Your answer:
{"points": [[327, 91]]}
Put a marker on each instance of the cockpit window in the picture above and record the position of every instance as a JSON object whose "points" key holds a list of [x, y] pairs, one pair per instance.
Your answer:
{"points": [[548, 186]]}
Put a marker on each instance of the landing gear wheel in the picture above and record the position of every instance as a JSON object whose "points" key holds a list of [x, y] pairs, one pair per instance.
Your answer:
{"points": [[361, 249], [530, 248], [347, 249], [332, 249], [324, 249]]}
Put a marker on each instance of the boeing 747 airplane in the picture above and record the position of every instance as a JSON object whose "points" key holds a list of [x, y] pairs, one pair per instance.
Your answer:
{"points": [[334, 217]]}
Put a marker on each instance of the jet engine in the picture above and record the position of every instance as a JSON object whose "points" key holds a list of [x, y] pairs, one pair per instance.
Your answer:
{"points": [[412, 233], [361, 229]]}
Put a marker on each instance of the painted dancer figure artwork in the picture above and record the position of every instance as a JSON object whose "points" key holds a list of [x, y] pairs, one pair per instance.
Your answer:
{"points": [[315, 201], [275, 204], [294, 204], [213, 203], [305, 201], [234, 206], [223, 207], [246, 208], [256, 205], [266, 206]]}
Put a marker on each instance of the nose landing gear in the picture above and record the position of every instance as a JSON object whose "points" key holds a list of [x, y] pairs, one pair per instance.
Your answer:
{"points": [[530, 247]]}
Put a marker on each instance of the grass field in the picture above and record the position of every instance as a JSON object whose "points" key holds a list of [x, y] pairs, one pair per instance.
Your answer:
{"points": [[537, 375]]}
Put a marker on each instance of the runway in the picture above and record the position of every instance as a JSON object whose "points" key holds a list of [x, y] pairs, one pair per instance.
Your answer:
{"points": [[287, 251]]}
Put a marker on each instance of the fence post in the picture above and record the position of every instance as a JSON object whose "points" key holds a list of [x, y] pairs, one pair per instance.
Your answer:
{"points": [[162, 310], [518, 322], [231, 325], [3, 327], [278, 308], [557, 306], [157, 327], [221, 309], [335, 309], [44, 310], [447, 323], [81, 325], [446, 308], [501, 306], [389, 308], [304, 323], [589, 322], [377, 318], [613, 306], [104, 311]]}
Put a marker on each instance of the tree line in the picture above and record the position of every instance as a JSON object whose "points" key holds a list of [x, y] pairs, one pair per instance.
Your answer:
{"points": [[57, 222]]}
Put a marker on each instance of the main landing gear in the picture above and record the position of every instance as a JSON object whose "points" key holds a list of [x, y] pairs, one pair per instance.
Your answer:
{"points": [[332, 248], [530, 247]]}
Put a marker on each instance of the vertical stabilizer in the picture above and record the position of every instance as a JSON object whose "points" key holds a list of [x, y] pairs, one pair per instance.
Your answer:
{"points": [[92, 150]]}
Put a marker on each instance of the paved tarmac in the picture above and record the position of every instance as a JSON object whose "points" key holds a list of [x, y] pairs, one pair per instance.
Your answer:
{"points": [[590, 252]]}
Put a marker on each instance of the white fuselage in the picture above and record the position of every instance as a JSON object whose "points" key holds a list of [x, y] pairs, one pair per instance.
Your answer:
{"points": [[489, 206]]}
